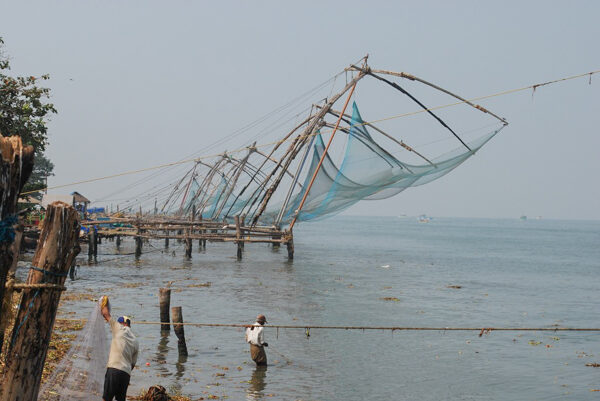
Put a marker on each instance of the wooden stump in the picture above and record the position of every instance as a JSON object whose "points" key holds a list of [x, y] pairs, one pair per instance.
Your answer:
{"points": [[118, 242], [164, 299], [92, 244], [56, 251], [238, 236], [167, 239], [16, 164], [178, 328], [290, 246]]}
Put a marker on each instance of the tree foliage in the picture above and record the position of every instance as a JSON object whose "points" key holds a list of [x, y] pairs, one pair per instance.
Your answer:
{"points": [[24, 111]]}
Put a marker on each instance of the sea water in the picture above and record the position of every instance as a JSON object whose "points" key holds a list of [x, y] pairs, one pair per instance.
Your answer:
{"points": [[369, 271]]}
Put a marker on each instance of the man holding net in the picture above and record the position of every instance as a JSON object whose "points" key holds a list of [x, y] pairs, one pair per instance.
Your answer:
{"points": [[255, 337], [122, 357]]}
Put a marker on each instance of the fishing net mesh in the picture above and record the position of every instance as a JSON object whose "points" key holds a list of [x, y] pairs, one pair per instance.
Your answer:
{"points": [[367, 171], [80, 374]]}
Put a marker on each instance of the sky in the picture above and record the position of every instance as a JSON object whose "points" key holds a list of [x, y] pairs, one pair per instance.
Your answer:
{"points": [[138, 84]]}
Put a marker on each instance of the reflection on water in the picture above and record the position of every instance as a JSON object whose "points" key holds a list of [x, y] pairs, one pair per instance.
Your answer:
{"points": [[163, 347], [257, 384], [180, 365]]}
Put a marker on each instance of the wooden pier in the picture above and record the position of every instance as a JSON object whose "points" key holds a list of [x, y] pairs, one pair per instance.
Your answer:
{"points": [[186, 230]]}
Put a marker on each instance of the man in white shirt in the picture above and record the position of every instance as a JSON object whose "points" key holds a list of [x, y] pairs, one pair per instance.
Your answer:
{"points": [[122, 357], [255, 337]]}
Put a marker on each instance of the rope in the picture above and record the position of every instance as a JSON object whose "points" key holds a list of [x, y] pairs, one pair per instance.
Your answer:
{"points": [[392, 328], [11, 285], [48, 272], [507, 92]]}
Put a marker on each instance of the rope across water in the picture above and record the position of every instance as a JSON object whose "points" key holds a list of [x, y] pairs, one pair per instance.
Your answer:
{"points": [[392, 328]]}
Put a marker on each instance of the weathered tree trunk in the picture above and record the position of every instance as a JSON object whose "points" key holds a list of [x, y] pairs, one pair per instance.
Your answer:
{"points": [[7, 304], [16, 163], [56, 251]]}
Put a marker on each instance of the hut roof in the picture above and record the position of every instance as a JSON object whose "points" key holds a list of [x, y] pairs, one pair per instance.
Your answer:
{"points": [[77, 197]]}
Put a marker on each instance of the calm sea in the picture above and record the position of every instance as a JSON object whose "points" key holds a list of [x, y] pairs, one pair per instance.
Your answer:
{"points": [[371, 271]]}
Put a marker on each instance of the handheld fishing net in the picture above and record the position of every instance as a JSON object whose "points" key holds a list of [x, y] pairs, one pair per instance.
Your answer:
{"points": [[80, 374]]}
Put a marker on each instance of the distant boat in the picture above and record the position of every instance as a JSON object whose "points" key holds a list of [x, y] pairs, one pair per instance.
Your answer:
{"points": [[523, 217], [538, 217], [424, 218]]}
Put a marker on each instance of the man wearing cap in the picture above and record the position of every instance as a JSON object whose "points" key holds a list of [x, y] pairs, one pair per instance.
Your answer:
{"points": [[255, 337], [122, 357]]}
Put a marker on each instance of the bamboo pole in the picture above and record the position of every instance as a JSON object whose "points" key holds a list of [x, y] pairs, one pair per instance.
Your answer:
{"points": [[56, 251], [425, 108], [310, 130], [414, 78], [312, 180]]}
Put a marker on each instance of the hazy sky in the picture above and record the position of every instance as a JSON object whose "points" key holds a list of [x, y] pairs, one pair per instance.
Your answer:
{"points": [[143, 83]]}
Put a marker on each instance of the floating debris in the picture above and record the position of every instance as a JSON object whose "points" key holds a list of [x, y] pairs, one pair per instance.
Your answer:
{"points": [[593, 365]]}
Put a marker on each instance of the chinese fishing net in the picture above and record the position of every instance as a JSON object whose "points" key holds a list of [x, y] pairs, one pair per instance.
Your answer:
{"points": [[367, 172], [80, 374]]}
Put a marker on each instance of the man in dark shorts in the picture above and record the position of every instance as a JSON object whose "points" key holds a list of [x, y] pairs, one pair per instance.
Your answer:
{"points": [[122, 357]]}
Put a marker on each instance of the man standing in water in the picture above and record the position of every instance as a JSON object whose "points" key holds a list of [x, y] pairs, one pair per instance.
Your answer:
{"points": [[255, 337], [122, 357]]}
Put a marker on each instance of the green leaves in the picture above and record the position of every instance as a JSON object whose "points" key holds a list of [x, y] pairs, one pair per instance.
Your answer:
{"points": [[24, 111]]}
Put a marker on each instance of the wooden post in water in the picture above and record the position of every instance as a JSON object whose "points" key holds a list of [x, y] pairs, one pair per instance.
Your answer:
{"points": [[276, 245], [189, 232], [290, 246], [118, 242], [238, 236], [164, 300], [91, 243], [56, 251], [178, 328], [16, 164], [203, 239], [138, 242], [167, 239]]}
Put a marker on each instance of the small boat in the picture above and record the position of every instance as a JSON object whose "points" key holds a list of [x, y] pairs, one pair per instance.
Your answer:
{"points": [[424, 218]]}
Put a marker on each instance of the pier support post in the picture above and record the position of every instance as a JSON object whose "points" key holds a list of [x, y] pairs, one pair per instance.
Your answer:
{"points": [[290, 246], [167, 239], [189, 232], [138, 244], [276, 245], [178, 328], [164, 300], [92, 243], [238, 236], [118, 241], [55, 254]]}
